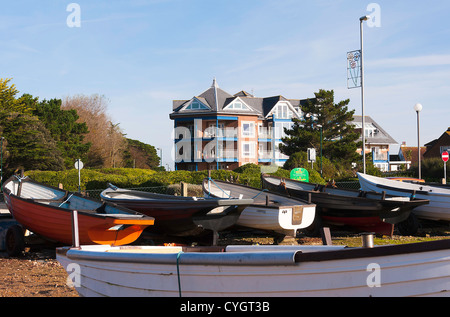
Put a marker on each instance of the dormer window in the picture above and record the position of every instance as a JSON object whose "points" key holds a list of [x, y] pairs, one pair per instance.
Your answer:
{"points": [[283, 112], [196, 105], [237, 105]]}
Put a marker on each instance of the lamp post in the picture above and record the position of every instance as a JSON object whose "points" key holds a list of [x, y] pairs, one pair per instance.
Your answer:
{"points": [[321, 138], [160, 151], [363, 130], [1, 164], [418, 108]]}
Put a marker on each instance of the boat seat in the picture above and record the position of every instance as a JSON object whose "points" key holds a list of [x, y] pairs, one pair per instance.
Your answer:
{"points": [[319, 188], [101, 209], [362, 193]]}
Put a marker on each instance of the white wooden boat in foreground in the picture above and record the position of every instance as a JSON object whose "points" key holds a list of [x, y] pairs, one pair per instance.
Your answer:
{"points": [[420, 269], [439, 197]]}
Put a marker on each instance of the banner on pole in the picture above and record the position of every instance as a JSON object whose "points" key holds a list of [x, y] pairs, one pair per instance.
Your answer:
{"points": [[354, 69]]}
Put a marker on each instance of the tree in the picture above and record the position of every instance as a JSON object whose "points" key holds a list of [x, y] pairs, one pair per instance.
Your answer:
{"points": [[339, 138], [8, 99], [105, 136], [141, 155], [29, 143], [116, 146], [64, 129]]}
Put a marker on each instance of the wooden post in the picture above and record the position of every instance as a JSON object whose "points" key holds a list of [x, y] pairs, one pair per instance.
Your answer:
{"points": [[326, 236], [75, 233], [184, 189]]}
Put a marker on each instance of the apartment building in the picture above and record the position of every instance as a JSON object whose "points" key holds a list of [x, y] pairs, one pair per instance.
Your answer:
{"points": [[378, 141], [218, 130]]}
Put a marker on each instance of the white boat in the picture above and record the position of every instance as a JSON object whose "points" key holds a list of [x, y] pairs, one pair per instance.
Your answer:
{"points": [[270, 211], [419, 269], [439, 197]]}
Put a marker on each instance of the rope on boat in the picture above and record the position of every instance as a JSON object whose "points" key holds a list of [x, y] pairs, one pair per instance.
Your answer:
{"points": [[178, 272], [263, 190], [210, 179], [70, 196], [20, 179]]}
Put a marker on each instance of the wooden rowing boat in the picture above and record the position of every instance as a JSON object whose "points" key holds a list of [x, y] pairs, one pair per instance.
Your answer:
{"points": [[419, 269], [178, 215], [363, 211], [47, 211], [270, 211], [439, 196]]}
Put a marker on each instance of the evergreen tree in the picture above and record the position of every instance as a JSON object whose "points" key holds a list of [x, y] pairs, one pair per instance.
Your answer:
{"points": [[64, 129], [28, 144], [141, 155], [8, 99], [339, 138]]}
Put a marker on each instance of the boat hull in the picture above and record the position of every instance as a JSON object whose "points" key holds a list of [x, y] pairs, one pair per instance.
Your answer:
{"points": [[385, 271], [270, 212], [439, 196], [54, 223], [361, 210], [177, 215]]}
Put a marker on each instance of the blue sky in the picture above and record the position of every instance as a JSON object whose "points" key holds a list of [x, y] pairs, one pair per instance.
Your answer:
{"points": [[143, 54]]}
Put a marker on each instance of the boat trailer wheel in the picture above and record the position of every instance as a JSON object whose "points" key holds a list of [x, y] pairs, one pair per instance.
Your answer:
{"points": [[15, 241]]}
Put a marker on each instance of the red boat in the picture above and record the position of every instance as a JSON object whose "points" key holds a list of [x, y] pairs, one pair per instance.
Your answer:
{"points": [[47, 212]]}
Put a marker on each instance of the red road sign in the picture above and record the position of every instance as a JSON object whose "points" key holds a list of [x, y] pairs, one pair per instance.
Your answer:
{"points": [[445, 156]]}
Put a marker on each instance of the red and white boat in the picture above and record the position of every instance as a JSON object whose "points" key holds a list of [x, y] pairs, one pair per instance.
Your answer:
{"points": [[47, 212]]}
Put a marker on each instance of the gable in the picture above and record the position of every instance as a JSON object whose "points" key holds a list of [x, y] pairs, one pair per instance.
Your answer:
{"points": [[373, 132], [283, 110], [196, 104], [238, 104]]}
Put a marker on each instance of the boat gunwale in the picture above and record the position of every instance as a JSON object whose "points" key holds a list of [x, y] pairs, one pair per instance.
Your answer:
{"points": [[88, 212], [177, 199], [304, 202], [405, 190], [385, 201], [293, 257]]}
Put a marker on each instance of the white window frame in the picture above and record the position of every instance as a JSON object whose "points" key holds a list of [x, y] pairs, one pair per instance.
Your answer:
{"points": [[250, 133], [250, 151], [284, 110], [199, 105], [234, 105]]}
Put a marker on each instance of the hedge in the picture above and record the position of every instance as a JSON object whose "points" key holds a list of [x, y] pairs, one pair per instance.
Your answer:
{"points": [[92, 179]]}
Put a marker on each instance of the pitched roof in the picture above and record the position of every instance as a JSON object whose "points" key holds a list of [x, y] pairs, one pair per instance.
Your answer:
{"points": [[217, 99], [381, 137], [435, 147], [409, 153], [243, 93]]}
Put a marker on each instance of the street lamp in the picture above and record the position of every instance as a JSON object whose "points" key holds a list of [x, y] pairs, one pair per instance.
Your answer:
{"points": [[1, 164], [160, 151], [321, 138], [418, 108], [363, 130]]}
